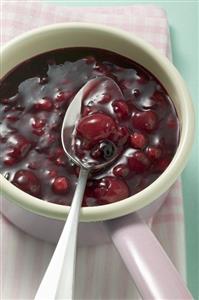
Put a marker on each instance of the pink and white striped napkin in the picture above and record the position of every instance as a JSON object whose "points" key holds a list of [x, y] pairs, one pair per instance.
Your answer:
{"points": [[100, 271]]}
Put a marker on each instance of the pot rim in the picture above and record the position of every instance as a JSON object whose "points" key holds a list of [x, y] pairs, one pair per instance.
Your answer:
{"points": [[153, 191]]}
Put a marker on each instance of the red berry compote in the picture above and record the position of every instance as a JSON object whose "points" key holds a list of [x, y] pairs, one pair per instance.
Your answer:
{"points": [[142, 125]]}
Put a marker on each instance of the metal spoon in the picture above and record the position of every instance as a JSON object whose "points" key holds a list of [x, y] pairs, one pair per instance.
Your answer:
{"points": [[58, 281]]}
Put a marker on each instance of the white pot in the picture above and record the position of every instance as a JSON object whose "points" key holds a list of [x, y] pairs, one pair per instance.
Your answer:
{"points": [[98, 36]]}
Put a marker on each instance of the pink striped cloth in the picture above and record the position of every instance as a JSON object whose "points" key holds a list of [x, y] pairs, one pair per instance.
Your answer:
{"points": [[100, 272]]}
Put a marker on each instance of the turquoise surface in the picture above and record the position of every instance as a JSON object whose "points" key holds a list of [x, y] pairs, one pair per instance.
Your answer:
{"points": [[183, 21]]}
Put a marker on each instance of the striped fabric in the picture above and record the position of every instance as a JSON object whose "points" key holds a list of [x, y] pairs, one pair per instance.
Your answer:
{"points": [[100, 272]]}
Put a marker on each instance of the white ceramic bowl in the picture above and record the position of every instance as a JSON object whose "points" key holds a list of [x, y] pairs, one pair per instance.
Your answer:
{"points": [[98, 36]]}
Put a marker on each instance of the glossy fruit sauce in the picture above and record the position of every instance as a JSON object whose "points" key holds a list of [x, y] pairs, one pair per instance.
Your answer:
{"points": [[34, 98]]}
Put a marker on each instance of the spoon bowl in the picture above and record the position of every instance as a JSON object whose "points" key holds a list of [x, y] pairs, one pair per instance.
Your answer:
{"points": [[73, 114]]}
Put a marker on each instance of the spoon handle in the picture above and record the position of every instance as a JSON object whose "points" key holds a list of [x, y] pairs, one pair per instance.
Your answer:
{"points": [[58, 281]]}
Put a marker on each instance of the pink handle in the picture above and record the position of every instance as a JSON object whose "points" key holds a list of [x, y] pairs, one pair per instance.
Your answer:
{"points": [[153, 273]]}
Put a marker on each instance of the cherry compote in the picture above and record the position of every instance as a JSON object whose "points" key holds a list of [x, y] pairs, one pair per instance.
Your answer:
{"points": [[142, 126]]}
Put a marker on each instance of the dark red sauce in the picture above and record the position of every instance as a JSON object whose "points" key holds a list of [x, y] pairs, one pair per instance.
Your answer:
{"points": [[34, 98]]}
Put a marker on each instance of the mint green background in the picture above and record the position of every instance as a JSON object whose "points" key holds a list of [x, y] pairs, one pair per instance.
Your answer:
{"points": [[183, 21]]}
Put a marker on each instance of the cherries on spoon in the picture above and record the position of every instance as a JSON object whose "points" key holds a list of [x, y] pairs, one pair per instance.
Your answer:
{"points": [[58, 281]]}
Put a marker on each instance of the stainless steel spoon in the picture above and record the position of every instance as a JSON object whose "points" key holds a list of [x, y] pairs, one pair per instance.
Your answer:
{"points": [[58, 281]]}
